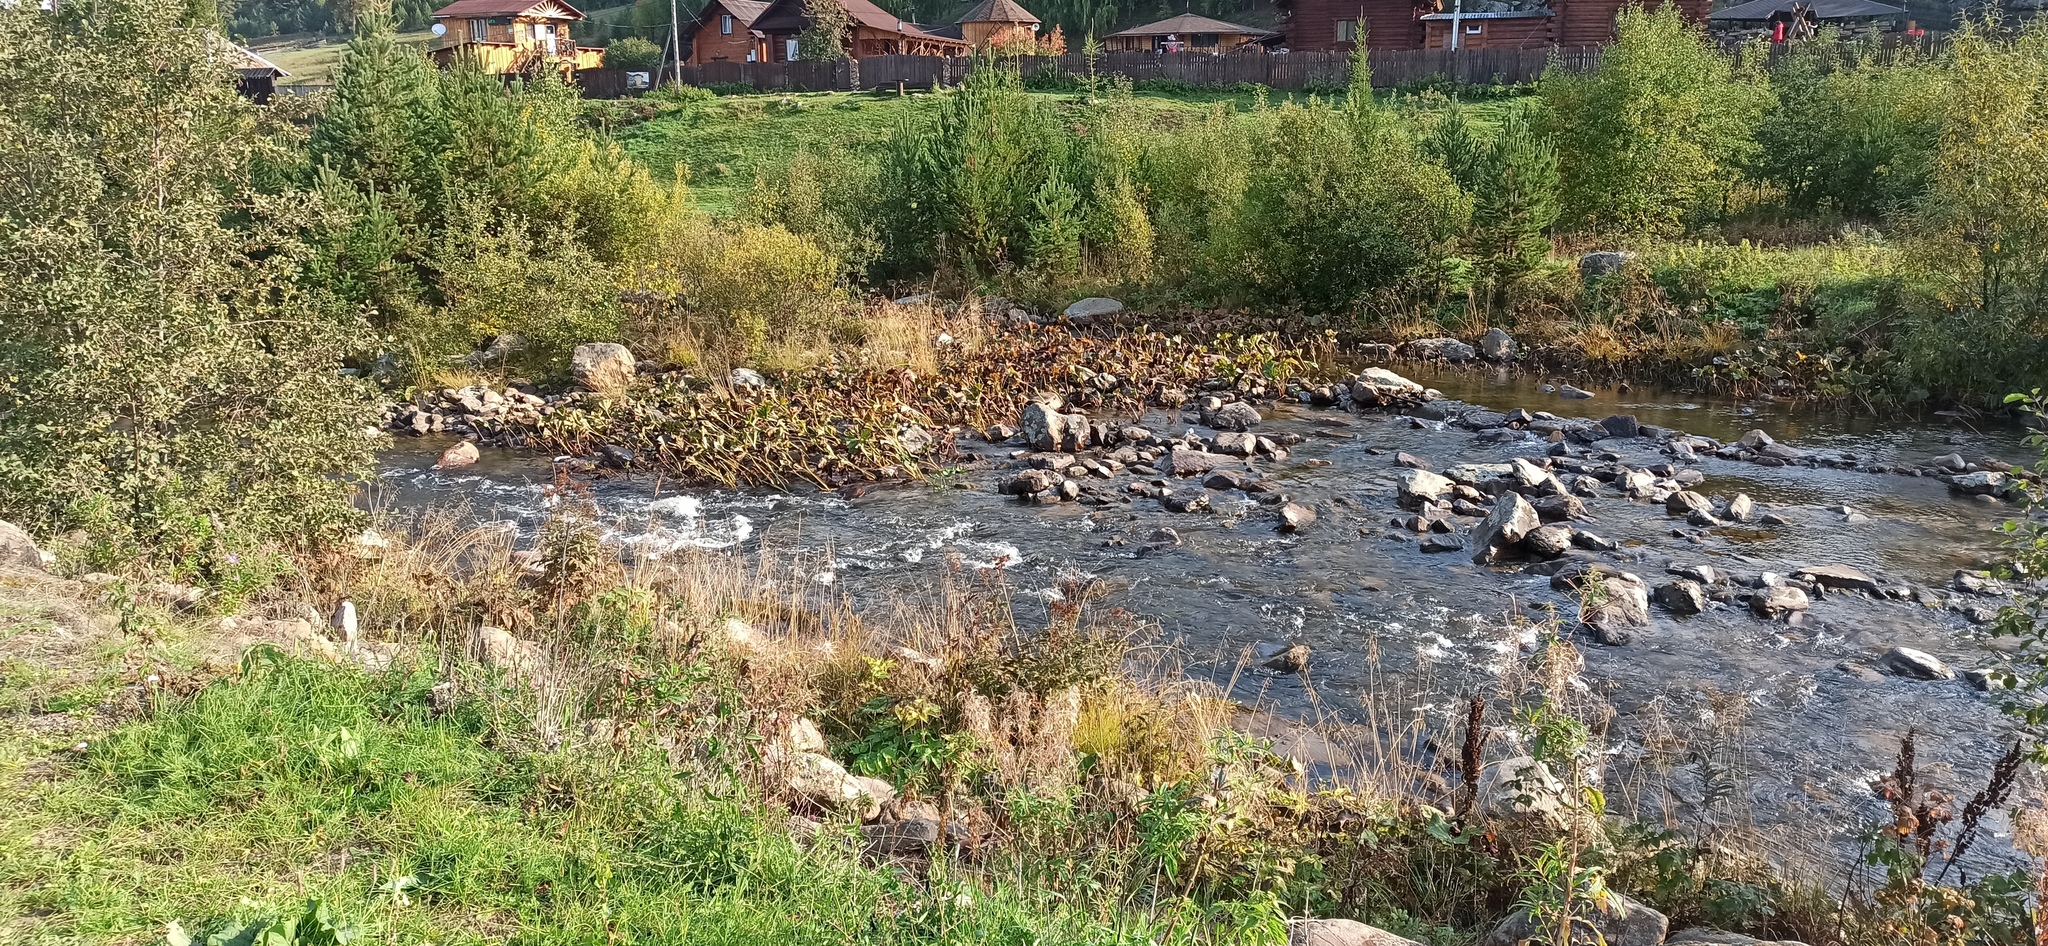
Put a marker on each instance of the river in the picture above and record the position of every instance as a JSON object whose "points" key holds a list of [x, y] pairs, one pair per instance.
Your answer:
{"points": [[1395, 631]]}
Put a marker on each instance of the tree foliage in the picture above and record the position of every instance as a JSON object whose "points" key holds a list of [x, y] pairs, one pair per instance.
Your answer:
{"points": [[1850, 136], [168, 374]]}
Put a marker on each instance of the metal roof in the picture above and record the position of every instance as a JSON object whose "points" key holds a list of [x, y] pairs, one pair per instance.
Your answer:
{"points": [[998, 11], [1758, 10], [489, 8], [1190, 23]]}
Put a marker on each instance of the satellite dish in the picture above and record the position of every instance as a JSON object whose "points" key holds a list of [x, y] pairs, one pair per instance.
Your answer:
{"points": [[440, 29]]}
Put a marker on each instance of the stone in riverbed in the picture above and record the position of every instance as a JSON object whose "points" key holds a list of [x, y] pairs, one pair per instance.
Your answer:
{"points": [[1185, 501], [1549, 541], [1378, 387], [1742, 508], [1443, 542], [1236, 415], [1511, 520], [1411, 461], [1089, 309], [1778, 601], [1341, 933], [1839, 578], [1292, 658], [1046, 427], [1189, 462], [461, 455], [1571, 393], [1438, 349], [1917, 664], [1620, 921], [1622, 425], [602, 366], [1496, 345], [1295, 517], [1985, 483], [1681, 596], [1236, 444], [1685, 502], [1622, 604], [1421, 486]]}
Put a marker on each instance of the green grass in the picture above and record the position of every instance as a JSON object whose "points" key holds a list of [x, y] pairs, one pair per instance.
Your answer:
{"points": [[725, 144], [313, 58]]}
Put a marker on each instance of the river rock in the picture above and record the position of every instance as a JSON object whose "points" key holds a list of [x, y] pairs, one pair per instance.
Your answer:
{"points": [[1046, 427], [1521, 787], [1700, 936], [1236, 443], [1236, 415], [1685, 502], [1496, 345], [1594, 543], [1410, 461], [1619, 921], [458, 456], [1571, 393], [1094, 307], [1186, 501], [1984, 483], [1443, 542], [1421, 486], [1378, 387], [1185, 462], [1438, 349], [1622, 605], [1283, 658], [1603, 263], [745, 378], [1295, 517], [1681, 596], [1742, 508], [1778, 601], [602, 366], [1030, 483], [1511, 520], [1549, 541], [1622, 425], [1838, 578], [1341, 933], [1917, 664], [1558, 508], [18, 549]]}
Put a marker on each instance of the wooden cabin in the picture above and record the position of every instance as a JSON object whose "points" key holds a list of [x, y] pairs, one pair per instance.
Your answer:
{"points": [[876, 32], [1427, 24], [511, 36], [1187, 33], [1792, 20], [994, 20], [723, 31]]}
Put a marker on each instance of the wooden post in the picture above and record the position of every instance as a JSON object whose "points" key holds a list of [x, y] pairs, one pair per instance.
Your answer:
{"points": [[675, 38]]}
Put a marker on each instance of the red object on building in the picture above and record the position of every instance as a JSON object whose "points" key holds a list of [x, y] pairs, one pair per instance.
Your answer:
{"points": [[1778, 32]]}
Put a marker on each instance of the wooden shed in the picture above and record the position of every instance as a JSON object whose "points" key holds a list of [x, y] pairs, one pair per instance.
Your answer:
{"points": [[993, 20], [876, 32], [1510, 29], [723, 31], [1187, 33]]}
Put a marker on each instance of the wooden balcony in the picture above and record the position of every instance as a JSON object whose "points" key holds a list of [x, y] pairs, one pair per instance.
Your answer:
{"points": [[510, 58]]}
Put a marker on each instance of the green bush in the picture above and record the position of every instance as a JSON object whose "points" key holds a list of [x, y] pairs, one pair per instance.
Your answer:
{"points": [[1847, 135], [632, 54]]}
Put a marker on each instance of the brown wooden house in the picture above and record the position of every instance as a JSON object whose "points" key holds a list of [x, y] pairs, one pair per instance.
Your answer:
{"points": [[875, 32], [994, 20], [723, 31], [509, 36], [1432, 24], [1187, 33]]}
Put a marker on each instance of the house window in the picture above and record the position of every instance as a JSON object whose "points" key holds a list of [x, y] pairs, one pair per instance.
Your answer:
{"points": [[1472, 29], [479, 30], [1347, 31], [725, 24], [1204, 40]]}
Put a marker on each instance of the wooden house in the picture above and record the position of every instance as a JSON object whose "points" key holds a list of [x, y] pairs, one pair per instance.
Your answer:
{"points": [[1431, 24], [510, 36], [1792, 20], [994, 20], [1187, 33], [723, 31], [875, 32]]}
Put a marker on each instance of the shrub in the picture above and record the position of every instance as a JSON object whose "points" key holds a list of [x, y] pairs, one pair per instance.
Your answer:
{"points": [[1659, 131], [632, 54], [738, 294], [1848, 135], [521, 278]]}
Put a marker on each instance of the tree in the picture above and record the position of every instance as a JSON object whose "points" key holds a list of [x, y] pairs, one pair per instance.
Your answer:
{"points": [[385, 130], [631, 53], [826, 36], [1515, 183], [1659, 131], [168, 377]]}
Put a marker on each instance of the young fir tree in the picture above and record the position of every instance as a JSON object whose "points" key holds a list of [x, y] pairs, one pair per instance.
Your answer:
{"points": [[1515, 196], [384, 132], [1453, 144]]}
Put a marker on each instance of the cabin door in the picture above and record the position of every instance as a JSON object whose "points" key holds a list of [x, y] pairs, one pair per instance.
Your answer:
{"points": [[545, 33]]}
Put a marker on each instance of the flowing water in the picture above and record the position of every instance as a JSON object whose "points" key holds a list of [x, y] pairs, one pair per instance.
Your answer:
{"points": [[1395, 629]]}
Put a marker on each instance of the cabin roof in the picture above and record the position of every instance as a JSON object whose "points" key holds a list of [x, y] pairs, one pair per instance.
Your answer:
{"points": [[475, 9], [1759, 10], [998, 11], [1190, 23], [1502, 15], [787, 16], [747, 12]]}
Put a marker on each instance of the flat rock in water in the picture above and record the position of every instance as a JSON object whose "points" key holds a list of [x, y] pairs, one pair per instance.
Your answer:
{"points": [[1779, 601], [1681, 596], [1443, 542], [1190, 462], [1838, 578], [1421, 486], [1917, 664], [1411, 461], [1295, 517]]}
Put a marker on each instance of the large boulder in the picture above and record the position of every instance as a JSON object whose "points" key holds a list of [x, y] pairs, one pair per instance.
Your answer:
{"points": [[1685, 502], [1378, 387], [1341, 933], [1422, 486], [1916, 664], [1681, 596], [602, 366], [1092, 308], [1838, 578], [1438, 349], [1046, 427], [17, 549], [458, 456], [1619, 921], [1511, 520], [1496, 345], [1595, 265], [1621, 605]]}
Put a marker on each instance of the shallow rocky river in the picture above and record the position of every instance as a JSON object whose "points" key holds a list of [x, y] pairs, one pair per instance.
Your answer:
{"points": [[1804, 718]]}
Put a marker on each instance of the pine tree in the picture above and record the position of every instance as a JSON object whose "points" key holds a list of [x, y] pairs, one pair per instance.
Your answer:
{"points": [[1453, 144], [384, 131], [1515, 196]]}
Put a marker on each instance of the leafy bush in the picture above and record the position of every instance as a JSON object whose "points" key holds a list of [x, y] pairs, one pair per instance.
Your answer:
{"points": [[1656, 134], [738, 294], [632, 54], [1847, 135]]}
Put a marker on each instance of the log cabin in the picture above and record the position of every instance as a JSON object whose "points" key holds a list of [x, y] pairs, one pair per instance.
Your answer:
{"points": [[723, 31], [994, 20], [511, 36], [1187, 33], [1427, 24], [875, 32]]}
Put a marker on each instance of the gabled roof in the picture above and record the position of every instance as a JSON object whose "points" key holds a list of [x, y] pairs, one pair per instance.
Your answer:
{"points": [[998, 11], [474, 9], [1190, 23], [243, 59], [1821, 9], [787, 16], [745, 11]]}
